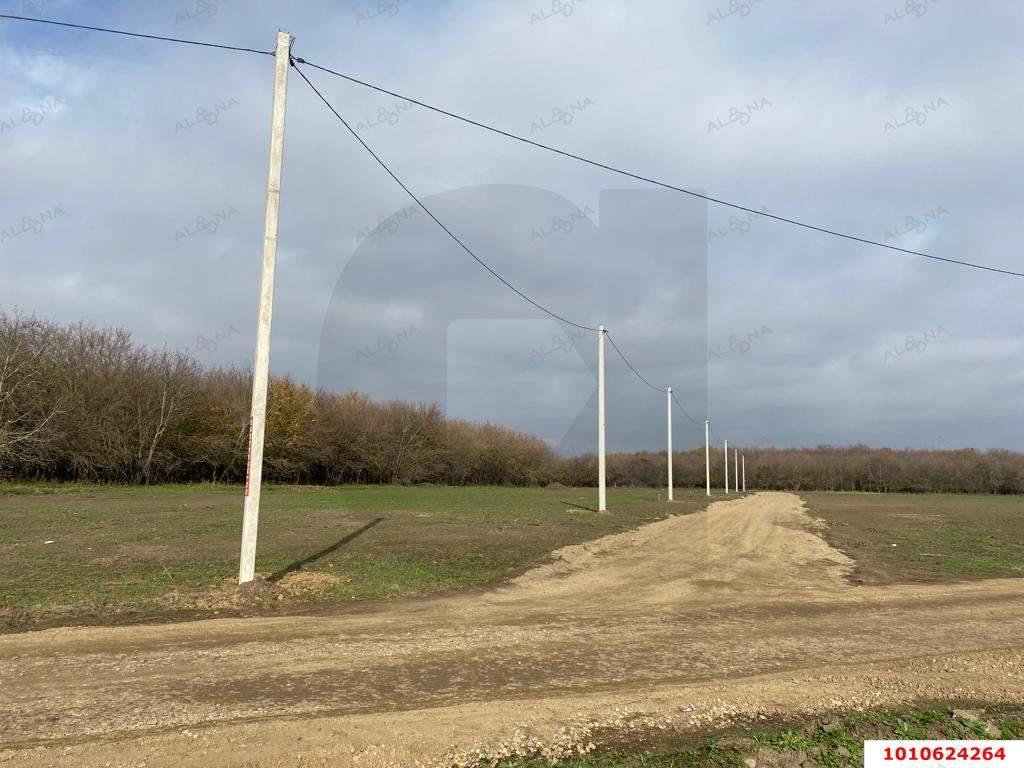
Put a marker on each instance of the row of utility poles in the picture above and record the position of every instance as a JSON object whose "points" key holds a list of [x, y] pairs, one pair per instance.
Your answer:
{"points": [[739, 462], [261, 363], [736, 466]]}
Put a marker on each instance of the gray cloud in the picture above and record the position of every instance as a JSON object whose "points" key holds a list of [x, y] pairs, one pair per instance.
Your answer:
{"points": [[111, 156]]}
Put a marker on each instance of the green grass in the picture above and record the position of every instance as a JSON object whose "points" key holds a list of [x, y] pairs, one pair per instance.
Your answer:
{"points": [[830, 743], [132, 553], [937, 537], [123, 554]]}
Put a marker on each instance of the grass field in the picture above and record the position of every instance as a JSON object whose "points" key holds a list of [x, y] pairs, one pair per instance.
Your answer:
{"points": [[830, 743], [121, 554], [922, 538], [92, 554]]}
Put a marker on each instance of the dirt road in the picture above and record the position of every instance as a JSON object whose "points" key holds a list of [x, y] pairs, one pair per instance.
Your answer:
{"points": [[691, 621]]}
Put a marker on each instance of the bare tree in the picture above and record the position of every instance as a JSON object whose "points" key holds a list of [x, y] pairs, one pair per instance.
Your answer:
{"points": [[162, 398], [28, 407], [87, 403]]}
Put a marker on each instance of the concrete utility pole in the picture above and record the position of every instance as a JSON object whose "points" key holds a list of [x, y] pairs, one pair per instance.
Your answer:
{"points": [[261, 364], [735, 468], [669, 443], [743, 464], [726, 467], [602, 500], [707, 459]]}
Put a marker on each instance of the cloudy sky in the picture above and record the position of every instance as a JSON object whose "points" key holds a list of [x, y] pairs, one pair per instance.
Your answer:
{"points": [[135, 184]]}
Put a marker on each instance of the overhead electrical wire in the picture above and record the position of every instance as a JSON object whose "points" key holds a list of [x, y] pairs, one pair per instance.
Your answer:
{"points": [[629, 364], [466, 248], [687, 415], [429, 213], [294, 60], [656, 182], [537, 144], [126, 33]]}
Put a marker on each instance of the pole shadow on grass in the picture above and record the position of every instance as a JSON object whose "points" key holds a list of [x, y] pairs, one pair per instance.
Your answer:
{"points": [[298, 564], [578, 506]]}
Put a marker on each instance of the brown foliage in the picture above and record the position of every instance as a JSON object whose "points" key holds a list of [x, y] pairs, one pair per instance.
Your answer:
{"points": [[82, 403]]}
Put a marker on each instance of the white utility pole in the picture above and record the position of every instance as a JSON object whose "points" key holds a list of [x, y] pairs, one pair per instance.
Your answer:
{"points": [[602, 500], [669, 390], [735, 468], [261, 364], [726, 467], [743, 464], [707, 459]]}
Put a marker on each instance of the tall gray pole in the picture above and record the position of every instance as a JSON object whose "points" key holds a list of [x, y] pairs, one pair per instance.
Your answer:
{"points": [[735, 469], [261, 364], [707, 459], [602, 500], [743, 464], [669, 443], [726, 467]]}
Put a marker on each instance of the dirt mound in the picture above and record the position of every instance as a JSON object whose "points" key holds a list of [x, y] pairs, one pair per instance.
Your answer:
{"points": [[229, 595], [301, 583]]}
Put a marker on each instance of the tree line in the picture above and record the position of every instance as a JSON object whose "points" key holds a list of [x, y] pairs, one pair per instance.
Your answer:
{"points": [[81, 403]]}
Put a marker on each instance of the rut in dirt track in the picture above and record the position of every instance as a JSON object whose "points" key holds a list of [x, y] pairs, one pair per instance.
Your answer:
{"points": [[745, 588]]}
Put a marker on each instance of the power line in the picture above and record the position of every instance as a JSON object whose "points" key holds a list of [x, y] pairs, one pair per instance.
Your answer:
{"points": [[466, 248], [451, 234], [426, 210], [365, 146], [645, 381], [687, 415], [183, 41], [531, 142], [656, 182], [461, 244], [134, 34], [630, 365]]}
